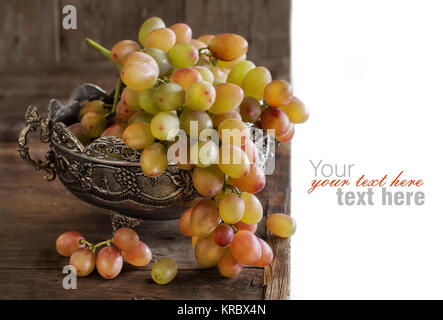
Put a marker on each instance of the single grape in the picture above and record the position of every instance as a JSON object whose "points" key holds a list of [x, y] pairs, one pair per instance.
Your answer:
{"points": [[266, 254], [278, 93], [296, 111], [185, 77], [141, 57], [228, 97], [220, 74], [288, 135], [154, 160], [206, 38], [78, 131], [275, 121], [140, 116], [253, 182], [183, 55], [109, 262], [169, 96], [255, 81], [139, 76], [230, 64], [228, 266], [239, 71], [123, 113], [68, 242], [92, 106], [114, 130], [228, 46], [164, 270], [197, 44], [204, 153], [233, 161], [219, 118], [201, 118], [208, 181], [148, 26], [253, 209], [194, 240], [204, 217], [83, 261], [250, 110], [183, 32], [251, 150], [244, 226], [138, 135], [207, 252], [205, 73], [223, 235], [200, 96], [162, 38], [122, 49], [140, 256], [245, 248], [93, 124], [126, 239], [146, 101], [165, 125], [281, 225], [231, 208], [184, 223], [130, 99], [232, 131], [162, 59]]}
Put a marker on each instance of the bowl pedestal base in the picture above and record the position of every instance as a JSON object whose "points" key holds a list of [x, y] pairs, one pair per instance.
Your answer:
{"points": [[120, 221]]}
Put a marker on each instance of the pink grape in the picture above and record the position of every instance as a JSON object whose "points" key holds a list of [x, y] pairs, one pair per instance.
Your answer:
{"points": [[83, 261], [68, 242], [246, 248], [139, 256], [126, 239], [109, 262]]}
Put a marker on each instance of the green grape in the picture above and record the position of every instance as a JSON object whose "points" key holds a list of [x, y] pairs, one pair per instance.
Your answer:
{"points": [[169, 96], [228, 266], [217, 119], [208, 181], [246, 248], [220, 74], [130, 98], [239, 72], [200, 96], [296, 111], [255, 81], [204, 153], [207, 252], [250, 110], [275, 121], [253, 209], [83, 261], [148, 26], [165, 125], [233, 131], [140, 116], [206, 38], [139, 76], [228, 97], [138, 135], [253, 182], [146, 101], [278, 93], [122, 49], [163, 39], [231, 208], [266, 254], [141, 57], [204, 217], [140, 256], [183, 32], [92, 106], [126, 239], [185, 77], [162, 59], [184, 223], [78, 131], [201, 118], [68, 242], [109, 262], [154, 160], [281, 225], [164, 271], [197, 44], [123, 113], [183, 55], [228, 65], [205, 73], [233, 161], [228, 46], [288, 135], [93, 124], [114, 130]]}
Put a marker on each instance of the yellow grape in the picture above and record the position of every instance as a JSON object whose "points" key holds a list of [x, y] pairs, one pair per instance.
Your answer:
{"points": [[165, 125], [162, 59], [92, 106], [154, 160], [228, 97], [233, 131], [164, 271], [200, 96], [138, 135], [206, 38], [246, 248], [278, 93], [296, 111], [163, 39], [204, 217], [148, 26], [184, 223], [169, 96], [194, 240], [228, 65], [141, 57], [186, 76], [228, 46], [140, 116], [178, 153], [253, 209], [130, 98], [220, 74], [253, 182], [146, 101], [208, 181], [140, 256], [281, 225], [122, 49], [207, 252], [205, 73], [238, 73], [233, 161], [204, 153], [183, 33], [139, 76], [93, 124], [201, 118], [183, 55], [228, 266], [231, 208], [255, 81], [83, 261]]}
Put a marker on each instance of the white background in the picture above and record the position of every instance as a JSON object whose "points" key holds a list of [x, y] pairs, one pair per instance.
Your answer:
{"points": [[371, 73]]}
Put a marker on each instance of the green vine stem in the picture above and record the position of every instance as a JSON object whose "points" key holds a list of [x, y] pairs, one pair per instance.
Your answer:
{"points": [[104, 52], [100, 244], [118, 89]]}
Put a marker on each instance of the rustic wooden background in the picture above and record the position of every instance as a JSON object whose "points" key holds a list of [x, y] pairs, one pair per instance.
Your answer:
{"points": [[39, 60]]}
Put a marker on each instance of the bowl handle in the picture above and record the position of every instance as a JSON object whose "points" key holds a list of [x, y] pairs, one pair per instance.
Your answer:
{"points": [[33, 121]]}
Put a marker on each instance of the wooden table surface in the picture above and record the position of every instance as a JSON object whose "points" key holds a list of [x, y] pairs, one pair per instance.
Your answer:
{"points": [[33, 213]]}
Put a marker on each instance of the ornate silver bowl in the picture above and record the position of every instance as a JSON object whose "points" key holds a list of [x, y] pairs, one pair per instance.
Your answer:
{"points": [[106, 173]]}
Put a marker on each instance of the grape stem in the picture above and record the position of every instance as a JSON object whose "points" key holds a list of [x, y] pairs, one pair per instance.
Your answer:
{"points": [[104, 52], [89, 244], [118, 89]]}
